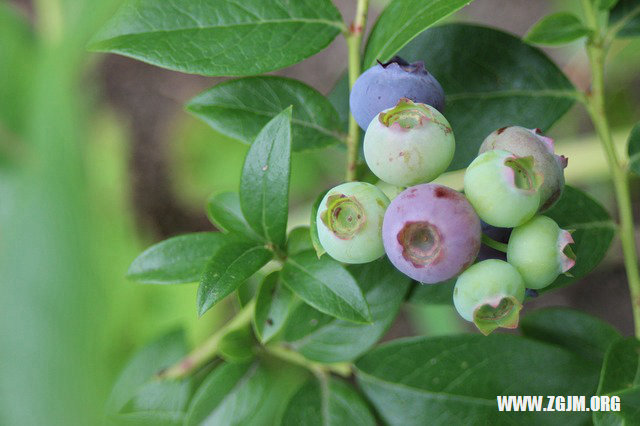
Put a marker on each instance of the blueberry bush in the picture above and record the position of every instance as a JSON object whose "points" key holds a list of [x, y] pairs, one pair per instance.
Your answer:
{"points": [[302, 346]]}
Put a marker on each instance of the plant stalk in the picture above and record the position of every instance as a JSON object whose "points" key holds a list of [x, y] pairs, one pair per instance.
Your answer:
{"points": [[496, 245], [354, 42], [595, 103], [343, 368], [205, 352]]}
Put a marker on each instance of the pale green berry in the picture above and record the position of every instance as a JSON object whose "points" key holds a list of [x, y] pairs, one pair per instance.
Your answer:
{"points": [[409, 144], [391, 191], [540, 251], [503, 188], [349, 222], [490, 294]]}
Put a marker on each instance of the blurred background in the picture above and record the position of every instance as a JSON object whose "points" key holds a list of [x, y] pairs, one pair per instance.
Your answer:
{"points": [[98, 160]]}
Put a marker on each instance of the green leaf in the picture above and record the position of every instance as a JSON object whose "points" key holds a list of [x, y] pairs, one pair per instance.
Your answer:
{"points": [[240, 108], [556, 29], [322, 338], [299, 240], [327, 403], [273, 305], [143, 366], [241, 394], [605, 4], [313, 226], [177, 260], [619, 377], [624, 19], [634, 149], [236, 345], [325, 285], [587, 336], [497, 90], [222, 37], [403, 20], [225, 213], [157, 401], [264, 184], [148, 418], [457, 378], [594, 231], [227, 270], [436, 294]]}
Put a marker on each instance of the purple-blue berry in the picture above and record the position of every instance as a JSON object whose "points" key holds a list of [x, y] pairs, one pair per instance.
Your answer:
{"points": [[431, 233], [383, 85]]}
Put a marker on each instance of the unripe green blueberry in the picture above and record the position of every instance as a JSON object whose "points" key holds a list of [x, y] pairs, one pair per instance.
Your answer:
{"points": [[540, 251], [349, 222], [490, 294], [525, 142], [391, 191], [409, 144], [502, 188]]}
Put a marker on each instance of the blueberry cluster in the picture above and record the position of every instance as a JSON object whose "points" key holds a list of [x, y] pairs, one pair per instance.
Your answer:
{"points": [[433, 233]]}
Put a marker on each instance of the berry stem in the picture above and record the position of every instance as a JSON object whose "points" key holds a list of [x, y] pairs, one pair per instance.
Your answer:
{"points": [[208, 350], [595, 104], [490, 242], [354, 42]]}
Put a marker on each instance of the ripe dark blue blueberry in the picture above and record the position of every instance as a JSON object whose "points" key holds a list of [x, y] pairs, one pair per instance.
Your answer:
{"points": [[383, 85]]}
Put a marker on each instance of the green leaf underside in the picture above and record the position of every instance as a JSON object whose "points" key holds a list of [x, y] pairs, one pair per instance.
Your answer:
{"points": [[324, 284], [488, 88], [299, 240], [452, 379], [264, 184], [240, 108], [236, 345], [619, 376], [225, 213], [227, 270], [559, 28], [634, 149], [218, 38], [625, 17], [403, 20], [322, 338], [177, 260], [576, 331], [242, 394], [141, 369], [273, 305], [594, 231], [327, 403]]}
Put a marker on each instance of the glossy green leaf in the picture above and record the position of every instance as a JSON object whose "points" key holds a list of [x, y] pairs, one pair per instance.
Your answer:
{"points": [[322, 338], [624, 18], [313, 226], [264, 184], [273, 305], [605, 4], [225, 213], [241, 394], [497, 89], [141, 369], [403, 20], [594, 231], [236, 345], [436, 294], [227, 270], [586, 335], [619, 377], [299, 240], [329, 403], [325, 285], [451, 379], [241, 108], [634, 149], [220, 37], [177, 260], [556, 29]]}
